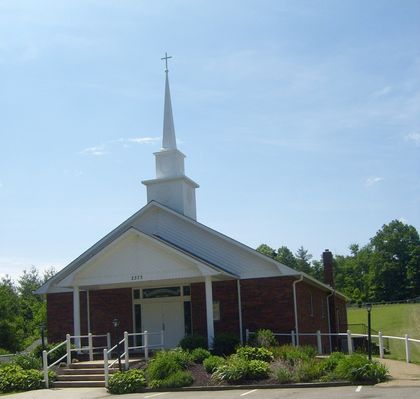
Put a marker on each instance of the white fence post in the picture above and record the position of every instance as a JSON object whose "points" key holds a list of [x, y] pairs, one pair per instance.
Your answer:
{"points": [[292, 333], [68, 349], [108, 340], [407, 349], [126, 356], [319, 342], [247, 335], [381, 345], [106, 371], [45, 364], [90, 343], [162, 339], [146, 346], [349, 343]]}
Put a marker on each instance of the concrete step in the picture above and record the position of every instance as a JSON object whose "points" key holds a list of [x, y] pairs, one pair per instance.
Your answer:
{"points": [[81, 377], [66, 371], [78, 384]]}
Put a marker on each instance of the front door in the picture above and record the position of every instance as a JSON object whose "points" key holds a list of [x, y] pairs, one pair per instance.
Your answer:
{"points": [[167, 316]]}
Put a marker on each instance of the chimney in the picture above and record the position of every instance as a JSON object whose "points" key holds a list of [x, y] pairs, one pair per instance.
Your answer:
{"points": [[327, 260]]}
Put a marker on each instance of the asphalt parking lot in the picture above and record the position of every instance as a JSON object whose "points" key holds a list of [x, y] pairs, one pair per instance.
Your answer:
{"points": [[349, 392]]}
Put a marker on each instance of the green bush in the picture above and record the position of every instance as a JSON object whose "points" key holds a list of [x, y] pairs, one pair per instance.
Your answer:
{"points": [[252, 353], [27, 361], [178, 379], [198, 355], [127, 382], [235, 369], [264, 338], [15, 378], [283, 375], [4, 351], [293, 354], [212, 363], [225, 344], [307, 371], [258, 370], [359, 368], [332, 361], [161, 367], [191, 342]]}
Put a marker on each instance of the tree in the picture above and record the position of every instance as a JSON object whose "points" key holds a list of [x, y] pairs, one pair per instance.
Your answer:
{"points": [[266, 250], [286, 257], [303, 260]]}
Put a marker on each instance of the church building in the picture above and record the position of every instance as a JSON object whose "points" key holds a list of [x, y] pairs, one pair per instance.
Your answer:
{"points": [[162, 270]]}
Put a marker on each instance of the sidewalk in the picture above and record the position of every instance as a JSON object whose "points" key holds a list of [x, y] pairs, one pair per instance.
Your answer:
{"points": [[402, 373]]}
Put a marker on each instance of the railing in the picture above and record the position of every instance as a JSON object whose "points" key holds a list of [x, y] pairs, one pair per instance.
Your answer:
{"points": [[349, 336], [126, 354], [79, 348]]}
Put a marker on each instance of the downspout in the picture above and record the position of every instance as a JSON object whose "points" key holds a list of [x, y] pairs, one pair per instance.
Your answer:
{"points": [[329, 319], [238, 285], [295, 307]]}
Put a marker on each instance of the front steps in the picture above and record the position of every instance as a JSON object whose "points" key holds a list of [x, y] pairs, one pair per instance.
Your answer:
{"points": [[85, 374]]}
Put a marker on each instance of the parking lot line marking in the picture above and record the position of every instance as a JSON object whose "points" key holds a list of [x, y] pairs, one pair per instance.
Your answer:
{"points": [[155, 394], [246, 393], [359, 388]]}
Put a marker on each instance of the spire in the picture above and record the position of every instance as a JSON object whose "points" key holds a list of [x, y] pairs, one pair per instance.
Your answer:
{"points": [[169, 140]]}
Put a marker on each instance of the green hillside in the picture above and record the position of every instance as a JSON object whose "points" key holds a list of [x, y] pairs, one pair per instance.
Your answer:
{"points": [[394, 320]]}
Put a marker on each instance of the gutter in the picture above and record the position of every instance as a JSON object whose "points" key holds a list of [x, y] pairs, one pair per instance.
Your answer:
{"points": [[295, 308]]}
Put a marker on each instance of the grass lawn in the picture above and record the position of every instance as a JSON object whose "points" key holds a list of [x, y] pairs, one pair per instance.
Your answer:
{"points": [[395, 320]]}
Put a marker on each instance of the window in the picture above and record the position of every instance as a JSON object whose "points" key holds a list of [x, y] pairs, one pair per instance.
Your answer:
{"points": [[162, 292], [136, 294], [216, 310], [311, 305], [186, 290]]}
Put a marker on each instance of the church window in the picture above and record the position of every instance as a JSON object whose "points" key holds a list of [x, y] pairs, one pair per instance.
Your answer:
{"points": [[162, 292], [136, 294], [216, 310]]}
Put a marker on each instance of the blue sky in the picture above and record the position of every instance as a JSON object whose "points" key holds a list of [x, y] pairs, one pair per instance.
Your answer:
{"points": [[300, 119]]}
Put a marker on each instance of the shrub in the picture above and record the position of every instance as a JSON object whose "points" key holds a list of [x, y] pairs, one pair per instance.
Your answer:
{"points": [[264, 338], [235, 369], [127, 382], [358, 368], [191, 342], [258, 370], [27, 361], [225, 344], [212, 363], [178, 379], [15, 378], [198, 355], [332, 361], [292, 354], [251, 353], [283, 375], [161, 367], [307, 370]]}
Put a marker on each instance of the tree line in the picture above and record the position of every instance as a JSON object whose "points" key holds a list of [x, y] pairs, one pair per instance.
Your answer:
{"points": [[22, 313], [387, 268]]}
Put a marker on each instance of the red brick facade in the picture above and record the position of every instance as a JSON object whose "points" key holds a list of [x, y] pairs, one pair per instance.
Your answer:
{"points": [[266, 303]]}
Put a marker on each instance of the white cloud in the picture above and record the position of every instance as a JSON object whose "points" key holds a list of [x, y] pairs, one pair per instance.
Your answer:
{"points": [[103, 149], [415, 137], [96, 150], [370, 181]]}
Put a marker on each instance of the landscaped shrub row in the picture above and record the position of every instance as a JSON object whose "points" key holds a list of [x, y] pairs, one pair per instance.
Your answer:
{"points": [[14, 378]]}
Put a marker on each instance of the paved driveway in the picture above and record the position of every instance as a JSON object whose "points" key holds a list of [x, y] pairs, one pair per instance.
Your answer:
{"points": [[378, 391]]}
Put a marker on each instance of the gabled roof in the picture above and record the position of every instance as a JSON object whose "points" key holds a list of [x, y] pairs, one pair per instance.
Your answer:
{"points": [[128, 224]]}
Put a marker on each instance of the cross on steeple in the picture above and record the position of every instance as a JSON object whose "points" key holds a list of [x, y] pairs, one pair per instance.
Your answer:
{"points": [[166, 61]]}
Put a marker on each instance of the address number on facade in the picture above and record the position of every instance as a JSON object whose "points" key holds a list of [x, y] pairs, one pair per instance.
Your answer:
{"points": [[136, 277]]}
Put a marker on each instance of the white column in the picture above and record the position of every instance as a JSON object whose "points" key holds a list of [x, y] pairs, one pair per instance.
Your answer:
{"points": [[76, 315], [209, 311]]}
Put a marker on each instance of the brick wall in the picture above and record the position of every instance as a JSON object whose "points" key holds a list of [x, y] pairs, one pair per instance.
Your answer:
{"points": [[105, 305]]}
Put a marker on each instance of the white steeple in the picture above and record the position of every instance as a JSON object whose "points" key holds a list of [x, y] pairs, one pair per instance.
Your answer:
{"points": [[171, 187]]}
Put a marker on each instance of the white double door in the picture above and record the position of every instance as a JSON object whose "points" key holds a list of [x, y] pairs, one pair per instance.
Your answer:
{"points": [[167, 316]]}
